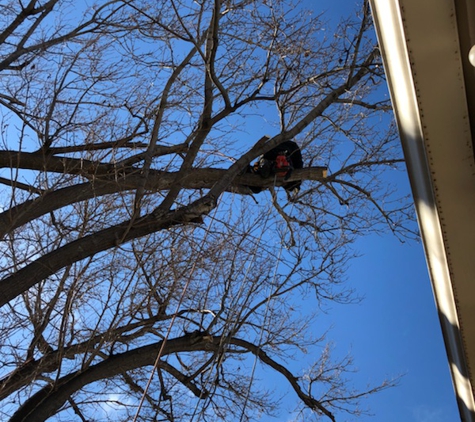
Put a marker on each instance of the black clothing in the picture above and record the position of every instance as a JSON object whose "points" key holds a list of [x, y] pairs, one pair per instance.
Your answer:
{"points": [[269, 164]]}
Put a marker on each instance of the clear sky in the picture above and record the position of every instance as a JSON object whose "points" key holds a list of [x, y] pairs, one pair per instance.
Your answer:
{"points": [[395, 330]]}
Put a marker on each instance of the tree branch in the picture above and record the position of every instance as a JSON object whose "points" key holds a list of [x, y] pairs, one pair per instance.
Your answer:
{"points": [[49, 399], [127, 180], [50, 263]]}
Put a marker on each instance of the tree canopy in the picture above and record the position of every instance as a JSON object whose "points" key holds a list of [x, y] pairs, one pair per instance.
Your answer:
{"points": [[140, 277]]}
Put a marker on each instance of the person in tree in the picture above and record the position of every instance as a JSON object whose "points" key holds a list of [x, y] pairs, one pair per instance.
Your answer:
{"points": [[279, 162]]}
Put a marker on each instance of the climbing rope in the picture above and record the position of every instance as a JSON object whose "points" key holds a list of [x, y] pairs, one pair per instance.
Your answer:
{"points": [[172, 321], [236, 299], [223, 341], [261, 335]]}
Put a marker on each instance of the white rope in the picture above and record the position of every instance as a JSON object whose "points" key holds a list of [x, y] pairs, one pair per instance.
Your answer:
{"points": [[160, 352], [222, 345], [261, 335]]}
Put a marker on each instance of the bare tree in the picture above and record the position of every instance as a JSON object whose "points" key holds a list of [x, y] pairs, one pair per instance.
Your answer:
{"points": [[141, 279]]}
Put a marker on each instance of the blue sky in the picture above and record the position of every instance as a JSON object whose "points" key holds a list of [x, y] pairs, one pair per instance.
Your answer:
{"points": [[395, 330]]}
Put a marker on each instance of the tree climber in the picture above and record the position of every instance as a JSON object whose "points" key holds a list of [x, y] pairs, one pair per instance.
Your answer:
{"points": [[279, 162]]}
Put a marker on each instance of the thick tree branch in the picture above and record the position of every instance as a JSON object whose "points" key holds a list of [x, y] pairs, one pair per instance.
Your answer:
{"points": [[49, 400], [51, 163], [49, 264], [128, 179], [25, 373]]}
